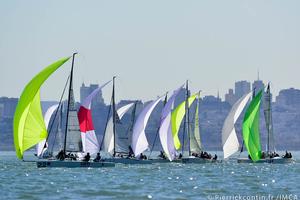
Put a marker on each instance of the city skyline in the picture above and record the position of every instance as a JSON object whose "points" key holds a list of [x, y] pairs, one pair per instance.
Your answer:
{"points": [[152, 49]]}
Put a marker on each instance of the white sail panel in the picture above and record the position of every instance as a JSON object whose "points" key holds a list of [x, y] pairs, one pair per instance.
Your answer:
{"points": [[165, 130], [229, 137], [40, 146], [139, 139], [121, 111]]}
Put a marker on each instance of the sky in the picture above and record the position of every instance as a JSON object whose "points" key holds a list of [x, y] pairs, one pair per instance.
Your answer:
{"points": [[151, 46]]}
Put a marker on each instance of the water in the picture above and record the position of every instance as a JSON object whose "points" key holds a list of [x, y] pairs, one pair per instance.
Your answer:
{"points": [[22, 180]]}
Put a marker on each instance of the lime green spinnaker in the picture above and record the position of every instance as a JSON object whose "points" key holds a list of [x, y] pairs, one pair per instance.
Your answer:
{"points": [[251, 133], [29, 126], [176, 119]]}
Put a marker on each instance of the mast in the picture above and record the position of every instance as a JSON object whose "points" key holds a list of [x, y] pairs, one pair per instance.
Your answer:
{"points": [[114, 115], [268, 119], [69, 99], [186, 117]]}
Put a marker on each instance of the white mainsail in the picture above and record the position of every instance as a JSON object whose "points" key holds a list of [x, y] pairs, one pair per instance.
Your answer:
{"points": [[165, 130], [40, 146], [139, 139], [229, 138], [108, 145], [195, 141], [74, 141]]}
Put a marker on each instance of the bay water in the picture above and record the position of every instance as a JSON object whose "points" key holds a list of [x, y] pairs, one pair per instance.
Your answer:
{"points": [[225, 180]]}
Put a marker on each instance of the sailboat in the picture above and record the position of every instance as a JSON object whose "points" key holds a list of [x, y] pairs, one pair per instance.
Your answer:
{"points": [[251, 133], [195, 151], [116, 141], [30, 128]]}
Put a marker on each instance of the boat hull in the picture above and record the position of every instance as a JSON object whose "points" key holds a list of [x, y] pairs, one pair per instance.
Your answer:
{"points": [[128, 161], [72, 164], [198, 160], [276, 160]]}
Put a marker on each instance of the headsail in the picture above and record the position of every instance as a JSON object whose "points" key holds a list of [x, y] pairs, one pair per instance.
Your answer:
{"points": [[29, 126], [122, 139], [139, 139], [251, 133], [88, 136], [109, 134], [40, 146], [177, 117], [229, 139], [165, 130], [195, 140]]}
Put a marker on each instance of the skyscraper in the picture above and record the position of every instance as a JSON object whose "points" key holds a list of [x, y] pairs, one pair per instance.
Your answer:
{"points": [[258, 85], [87, 90], [241, 88], [230, 97]]}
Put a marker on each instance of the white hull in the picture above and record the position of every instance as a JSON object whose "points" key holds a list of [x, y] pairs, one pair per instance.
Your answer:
{"points": [[129, 161], [276, 160], [72, 164]]}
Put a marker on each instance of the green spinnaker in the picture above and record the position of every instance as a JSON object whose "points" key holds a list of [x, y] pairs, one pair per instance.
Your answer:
{"points": [[29, 126], [251, 133], [176, 119]]}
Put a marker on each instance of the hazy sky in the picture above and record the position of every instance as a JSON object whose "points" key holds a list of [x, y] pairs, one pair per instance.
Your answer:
{"points": [[152, 46]]}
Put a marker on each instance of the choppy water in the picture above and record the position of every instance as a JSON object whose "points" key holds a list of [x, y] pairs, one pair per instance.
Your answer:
{"points": [[227, 180]]}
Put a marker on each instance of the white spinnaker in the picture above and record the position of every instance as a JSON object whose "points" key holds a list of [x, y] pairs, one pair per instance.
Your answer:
{"points": [[108, 144], [89, 139], [40, 146], [139, 139], [229, 139], [165, 130]]}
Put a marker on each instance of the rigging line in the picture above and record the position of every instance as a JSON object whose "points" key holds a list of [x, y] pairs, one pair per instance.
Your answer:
{"points": [[55, 115]]}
